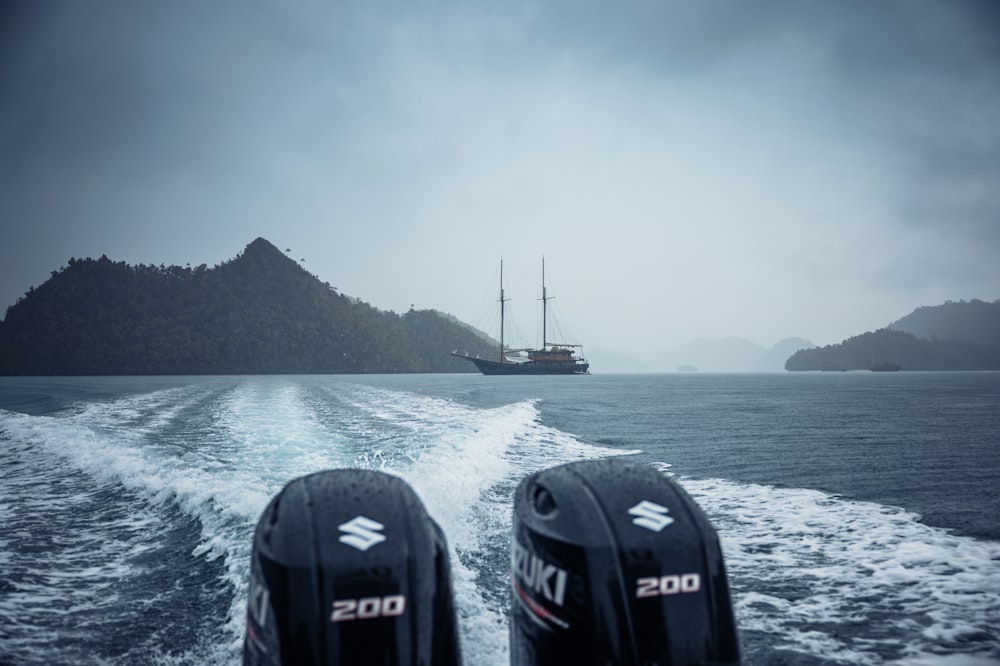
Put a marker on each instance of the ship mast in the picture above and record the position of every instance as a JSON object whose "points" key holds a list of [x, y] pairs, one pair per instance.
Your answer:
{"points": [[502, 301], [545, 301]]}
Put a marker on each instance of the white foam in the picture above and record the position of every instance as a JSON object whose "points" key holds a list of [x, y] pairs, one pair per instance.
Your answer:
{"points": [[226, 503], [66, 549], [831, 561], [800, 561], [457, 457]]}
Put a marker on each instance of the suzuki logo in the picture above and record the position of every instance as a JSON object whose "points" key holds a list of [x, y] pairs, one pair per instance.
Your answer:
{"points": [[362, 533], [650, 515]]}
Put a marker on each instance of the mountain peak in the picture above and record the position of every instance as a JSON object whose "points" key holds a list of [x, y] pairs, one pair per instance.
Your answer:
{"points": [[261, 247], [261, 255]]}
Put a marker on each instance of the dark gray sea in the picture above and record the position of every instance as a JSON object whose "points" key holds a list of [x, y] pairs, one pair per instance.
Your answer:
{"points": [[859, 513]]}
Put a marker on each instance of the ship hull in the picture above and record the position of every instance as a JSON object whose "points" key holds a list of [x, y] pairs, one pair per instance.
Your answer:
{"points": [[488, 367]]}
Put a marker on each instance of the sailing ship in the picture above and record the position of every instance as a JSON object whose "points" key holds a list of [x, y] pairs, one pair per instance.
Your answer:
{"points": [[553, 358]]}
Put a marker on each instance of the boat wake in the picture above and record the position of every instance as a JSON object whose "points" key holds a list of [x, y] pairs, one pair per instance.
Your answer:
{"points": [[216, 456], [857, 582], [129, 517]]}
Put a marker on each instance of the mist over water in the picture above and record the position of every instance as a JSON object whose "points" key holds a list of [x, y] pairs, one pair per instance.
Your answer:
{"points": [[129, 506]]}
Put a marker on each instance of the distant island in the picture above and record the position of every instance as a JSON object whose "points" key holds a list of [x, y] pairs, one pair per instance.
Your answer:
{"points": [[259, 313], [728, 355], [963, 335]]}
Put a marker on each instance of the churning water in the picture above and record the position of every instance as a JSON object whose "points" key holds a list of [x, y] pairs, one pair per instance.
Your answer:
{"points": [[858, 513]]}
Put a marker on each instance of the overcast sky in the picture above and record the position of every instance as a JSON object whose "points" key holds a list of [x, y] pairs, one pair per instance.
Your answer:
{"points": [[698, 169]]}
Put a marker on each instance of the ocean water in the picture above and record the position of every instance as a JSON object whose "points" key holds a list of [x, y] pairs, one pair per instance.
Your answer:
{"points": [[859, 513]]}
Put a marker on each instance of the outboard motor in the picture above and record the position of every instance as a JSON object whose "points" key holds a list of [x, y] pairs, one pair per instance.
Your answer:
{"points": [[348, 568], [613, 563]]}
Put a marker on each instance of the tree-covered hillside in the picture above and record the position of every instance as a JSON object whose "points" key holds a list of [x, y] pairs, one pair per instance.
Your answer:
{"points": [[258, 313], [886, 347], [954, 336], [973, 321]]}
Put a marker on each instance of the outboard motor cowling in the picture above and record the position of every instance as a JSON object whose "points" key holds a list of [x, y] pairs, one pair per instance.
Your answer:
{"points": [[348, 568], [613, 563]]}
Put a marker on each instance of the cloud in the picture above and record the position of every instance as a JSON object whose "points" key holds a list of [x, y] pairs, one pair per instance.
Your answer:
{"points": [[691, 169]]}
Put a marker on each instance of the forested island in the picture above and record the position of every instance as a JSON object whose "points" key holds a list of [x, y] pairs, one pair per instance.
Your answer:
{"points": [[963, 335], [259, 313]]}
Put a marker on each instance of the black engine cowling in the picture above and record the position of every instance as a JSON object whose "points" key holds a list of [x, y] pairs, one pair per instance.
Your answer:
{"points": [[348, 568], [613, 563]]}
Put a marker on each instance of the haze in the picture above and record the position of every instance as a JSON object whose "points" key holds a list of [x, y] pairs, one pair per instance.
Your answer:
{"points": [[687, 169]]}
